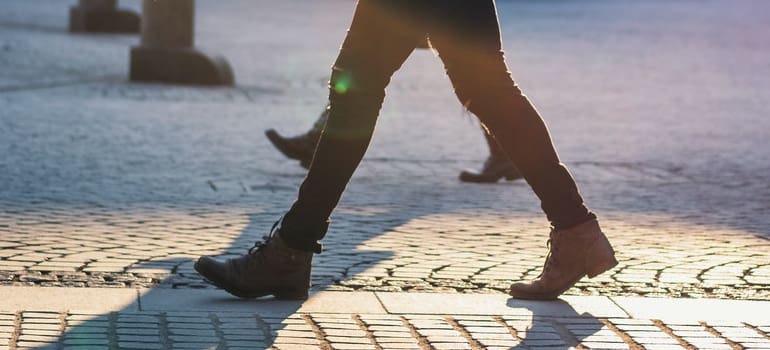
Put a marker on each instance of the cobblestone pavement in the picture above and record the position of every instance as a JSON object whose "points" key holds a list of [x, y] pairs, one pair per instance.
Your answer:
{"points": [[373, 250], [241, 330], [659, 109]]}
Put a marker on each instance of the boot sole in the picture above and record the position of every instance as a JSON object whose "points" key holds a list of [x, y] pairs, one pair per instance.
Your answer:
{"points": [[600, 259], [278, 294], [598, 270]]}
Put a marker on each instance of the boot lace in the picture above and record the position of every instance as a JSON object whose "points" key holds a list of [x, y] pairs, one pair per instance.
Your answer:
{"points": [[259, 245], [550, 259]]}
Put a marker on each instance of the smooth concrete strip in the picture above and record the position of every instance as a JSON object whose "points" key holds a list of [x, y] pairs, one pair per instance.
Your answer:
{"points": [[217, 300], [694, 310], [60, 299], [497, 304]]}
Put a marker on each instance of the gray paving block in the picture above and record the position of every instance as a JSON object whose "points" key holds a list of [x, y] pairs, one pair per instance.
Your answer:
{"points": [[495, 304], [218, 300], [693, 310], [58, 299]]}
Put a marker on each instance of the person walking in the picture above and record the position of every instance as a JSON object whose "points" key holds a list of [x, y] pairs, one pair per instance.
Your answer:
{"points": [[301, 147], [383, 33]]}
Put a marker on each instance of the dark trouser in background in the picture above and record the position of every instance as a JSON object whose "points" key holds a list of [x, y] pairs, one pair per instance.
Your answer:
{"points": [[467, 37], [302, 147], [494, 148]]}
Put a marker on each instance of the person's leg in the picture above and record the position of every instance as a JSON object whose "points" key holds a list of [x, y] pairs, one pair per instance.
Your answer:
{"points": [[300, 147], [383, 34], [468, 41], [496, 167], [378, 42]]}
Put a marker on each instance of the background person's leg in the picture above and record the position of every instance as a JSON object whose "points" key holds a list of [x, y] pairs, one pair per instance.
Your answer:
{"points": [[300, 147], [381, 37], [497, 165]]}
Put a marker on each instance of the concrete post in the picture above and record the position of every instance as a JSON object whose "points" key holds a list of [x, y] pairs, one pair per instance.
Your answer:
{"points": [[102, 16], [167, 52]]}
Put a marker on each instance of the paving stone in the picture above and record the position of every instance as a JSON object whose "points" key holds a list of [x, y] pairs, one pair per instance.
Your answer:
{"points": [[139, 345], [290, 346], [605, 345], [648, 335], [85, 329], [125, 333], [42, 333], [283, 340], [205, 345], [53, 327], [543, 342], [86, 342], [663, 346], [487, 330], [448, 346], [195, 339], [35, 345], [24, 337]]}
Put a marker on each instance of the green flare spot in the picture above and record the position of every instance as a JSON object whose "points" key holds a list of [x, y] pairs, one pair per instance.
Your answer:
{"points": [[342, 83]]}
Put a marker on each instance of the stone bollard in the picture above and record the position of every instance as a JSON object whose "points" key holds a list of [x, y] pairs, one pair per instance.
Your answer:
{"points": [[167, 52], [102, 16]]}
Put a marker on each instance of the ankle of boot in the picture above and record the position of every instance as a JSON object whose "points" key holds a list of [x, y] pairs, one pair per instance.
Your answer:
{"points": [[297, 233], [298, 247], [567, 224]]}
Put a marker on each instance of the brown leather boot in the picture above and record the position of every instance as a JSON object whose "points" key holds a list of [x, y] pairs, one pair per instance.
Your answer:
{"points": [[576, 252], [269, 268]]}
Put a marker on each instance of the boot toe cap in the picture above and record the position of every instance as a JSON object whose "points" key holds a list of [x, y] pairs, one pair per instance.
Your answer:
{"points": [[210, 268], [532, 291]]}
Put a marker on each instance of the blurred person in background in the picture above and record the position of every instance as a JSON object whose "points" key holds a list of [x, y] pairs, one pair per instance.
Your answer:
{"points": [[301, 147]]}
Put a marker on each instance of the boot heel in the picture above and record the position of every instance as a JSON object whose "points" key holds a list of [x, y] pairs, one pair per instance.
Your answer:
{"points": [[600, 257]]}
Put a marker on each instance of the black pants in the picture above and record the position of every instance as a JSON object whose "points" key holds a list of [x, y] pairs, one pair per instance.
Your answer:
{"points": [[466, 35]]}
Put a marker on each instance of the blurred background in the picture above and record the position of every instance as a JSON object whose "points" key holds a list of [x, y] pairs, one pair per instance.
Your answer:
{"points": [[656, 105]]}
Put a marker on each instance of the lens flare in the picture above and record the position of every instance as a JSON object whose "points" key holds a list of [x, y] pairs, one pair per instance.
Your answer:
{"points": [[342, 83]]}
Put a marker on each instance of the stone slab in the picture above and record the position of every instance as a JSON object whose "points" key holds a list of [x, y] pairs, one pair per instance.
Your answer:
{"points": [[497, 304], [217, 300], [58, 299], [693, 310]]}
